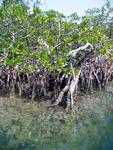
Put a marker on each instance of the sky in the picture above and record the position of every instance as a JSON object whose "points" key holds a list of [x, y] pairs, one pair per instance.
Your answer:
{"points": [[70, 6]]}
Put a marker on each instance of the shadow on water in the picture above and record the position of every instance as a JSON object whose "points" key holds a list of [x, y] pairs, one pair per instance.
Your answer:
{"points": [[31, 126]]}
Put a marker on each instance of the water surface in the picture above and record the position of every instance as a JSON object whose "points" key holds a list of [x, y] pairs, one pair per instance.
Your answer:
{"points": [[34, 126]]}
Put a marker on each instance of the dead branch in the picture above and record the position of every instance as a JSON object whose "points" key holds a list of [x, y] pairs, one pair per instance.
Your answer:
{"points": [[74, 52]]}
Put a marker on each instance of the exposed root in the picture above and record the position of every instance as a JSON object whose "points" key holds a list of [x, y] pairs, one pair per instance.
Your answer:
{"points": [[93, 74], [73, 88], [61, 94]]}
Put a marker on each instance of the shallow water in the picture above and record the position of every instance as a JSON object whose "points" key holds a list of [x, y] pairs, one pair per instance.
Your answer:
{"points": [[33, 126]]}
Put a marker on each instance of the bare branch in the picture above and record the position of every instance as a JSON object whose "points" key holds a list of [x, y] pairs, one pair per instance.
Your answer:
{"points": [[13, 40], [43, 43], [73, 52], [59, 29]]}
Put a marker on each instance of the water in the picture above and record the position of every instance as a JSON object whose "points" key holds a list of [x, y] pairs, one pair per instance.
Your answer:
{"points": [[34, 126]]}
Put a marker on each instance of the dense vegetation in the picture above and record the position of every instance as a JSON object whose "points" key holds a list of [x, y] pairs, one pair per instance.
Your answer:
{"points": [[44, 53]]}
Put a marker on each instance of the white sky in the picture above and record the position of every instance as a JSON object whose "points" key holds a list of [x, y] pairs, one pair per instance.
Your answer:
{"points": [[70, 6]]}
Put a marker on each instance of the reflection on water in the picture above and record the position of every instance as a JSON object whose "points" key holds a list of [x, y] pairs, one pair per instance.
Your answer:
{"points": [[32, 126]]}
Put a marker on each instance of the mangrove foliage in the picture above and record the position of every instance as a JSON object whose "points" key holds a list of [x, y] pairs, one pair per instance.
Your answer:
{"points": [[47, 54]]}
